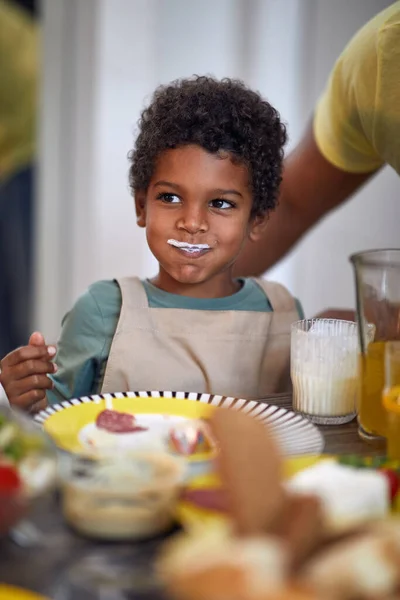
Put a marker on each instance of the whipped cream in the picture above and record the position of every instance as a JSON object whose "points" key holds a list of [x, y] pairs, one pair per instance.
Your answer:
{"points": [[188, 247]]}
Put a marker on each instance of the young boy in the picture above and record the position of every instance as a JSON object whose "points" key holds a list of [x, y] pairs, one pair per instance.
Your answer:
{"points": [[205, 172]]}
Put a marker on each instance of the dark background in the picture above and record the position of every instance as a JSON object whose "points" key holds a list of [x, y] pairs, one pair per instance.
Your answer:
{"points": [[32, 6]]}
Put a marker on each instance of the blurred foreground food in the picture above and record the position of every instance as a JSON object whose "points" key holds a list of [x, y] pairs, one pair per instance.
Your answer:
{"points": [[281, 540]]}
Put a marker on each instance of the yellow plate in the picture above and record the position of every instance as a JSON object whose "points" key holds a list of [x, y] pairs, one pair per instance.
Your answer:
{"points": [[9, 592], [64, 422], [69, 427]]}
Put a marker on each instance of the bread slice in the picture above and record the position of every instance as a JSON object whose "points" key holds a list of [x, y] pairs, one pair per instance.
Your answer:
{"points": [[363, 567], [215, 565], [250, 466]]}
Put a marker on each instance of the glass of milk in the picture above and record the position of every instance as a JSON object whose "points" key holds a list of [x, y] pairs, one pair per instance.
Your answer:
{"points": [[324, 355]]}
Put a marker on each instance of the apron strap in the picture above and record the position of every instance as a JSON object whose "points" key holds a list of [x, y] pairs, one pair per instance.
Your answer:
{"points": [[133, 293], [279, 297]]}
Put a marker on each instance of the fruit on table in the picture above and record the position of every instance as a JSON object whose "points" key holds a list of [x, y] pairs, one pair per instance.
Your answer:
{"points": [[393, 479], [15, 443], [191, 438], [27, 466], [10, 481], [12, 501]]}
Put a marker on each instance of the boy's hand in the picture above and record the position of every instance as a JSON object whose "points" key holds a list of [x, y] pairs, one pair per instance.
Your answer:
{"points": [[24, 374]]}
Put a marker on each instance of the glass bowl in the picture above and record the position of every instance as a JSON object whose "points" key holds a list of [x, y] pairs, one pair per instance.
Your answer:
{"points": [[121, 495], [28, 466]]}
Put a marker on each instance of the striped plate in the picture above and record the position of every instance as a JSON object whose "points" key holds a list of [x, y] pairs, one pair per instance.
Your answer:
{"points": [[295, 434]]}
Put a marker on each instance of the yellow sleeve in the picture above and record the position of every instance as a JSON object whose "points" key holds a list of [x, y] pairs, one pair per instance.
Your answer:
{"points": [[19, 73], [344, 120]]}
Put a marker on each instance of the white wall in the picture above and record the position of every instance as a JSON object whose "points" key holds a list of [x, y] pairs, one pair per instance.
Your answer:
{"points": [[66, 225], [102, 60], [126, 74]]}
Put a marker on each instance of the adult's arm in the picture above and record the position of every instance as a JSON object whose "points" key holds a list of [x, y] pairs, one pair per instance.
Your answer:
{"points": [[311, 188]]}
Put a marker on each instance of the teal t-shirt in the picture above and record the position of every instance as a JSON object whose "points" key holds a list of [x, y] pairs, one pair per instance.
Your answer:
{"points": [[88, 330]]}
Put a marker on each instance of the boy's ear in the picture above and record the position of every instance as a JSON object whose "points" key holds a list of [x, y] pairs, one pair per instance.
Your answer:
{"points": [[140, 205], [257, 227]]}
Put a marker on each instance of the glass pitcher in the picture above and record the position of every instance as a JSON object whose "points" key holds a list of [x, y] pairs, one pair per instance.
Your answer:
{"points": [[377, 279]]}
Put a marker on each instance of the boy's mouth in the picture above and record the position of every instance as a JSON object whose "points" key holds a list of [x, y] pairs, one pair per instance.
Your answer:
{"points": [[192, 249]]}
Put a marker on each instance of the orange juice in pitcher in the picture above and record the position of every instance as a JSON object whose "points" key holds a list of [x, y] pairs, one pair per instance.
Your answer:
{"points": [[391, 398], [371, 413], [377, 278]]}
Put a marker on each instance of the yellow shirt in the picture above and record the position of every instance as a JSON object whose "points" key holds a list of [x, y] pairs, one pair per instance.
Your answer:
{"points": [[18, 88], [357, 120]]}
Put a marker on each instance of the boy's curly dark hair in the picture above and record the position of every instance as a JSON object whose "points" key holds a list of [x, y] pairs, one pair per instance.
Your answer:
{"points": [[216, 115]]}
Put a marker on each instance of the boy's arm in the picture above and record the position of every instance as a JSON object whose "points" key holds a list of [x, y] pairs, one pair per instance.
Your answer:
{"points": [[30, 378], [84, 344]]}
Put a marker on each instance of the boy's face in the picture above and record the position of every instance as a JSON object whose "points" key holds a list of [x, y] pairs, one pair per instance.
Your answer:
{"points": [[197, 198]]}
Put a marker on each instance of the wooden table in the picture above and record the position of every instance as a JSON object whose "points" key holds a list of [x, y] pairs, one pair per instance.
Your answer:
{"points": [[64, 566], [55, 567], [339, 439]]}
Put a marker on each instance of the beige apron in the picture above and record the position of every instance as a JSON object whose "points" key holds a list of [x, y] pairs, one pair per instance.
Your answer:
{"points": [[231, 353]]}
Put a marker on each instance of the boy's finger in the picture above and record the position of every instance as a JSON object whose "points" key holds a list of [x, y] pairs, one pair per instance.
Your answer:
{"points": [[37, 339], [41, 405], [34, 382], [29, 399], [28, 353], [32, 367]]}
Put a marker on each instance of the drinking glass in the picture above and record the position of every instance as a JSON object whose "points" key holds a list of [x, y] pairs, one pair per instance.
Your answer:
{"points": [[324, 369]]}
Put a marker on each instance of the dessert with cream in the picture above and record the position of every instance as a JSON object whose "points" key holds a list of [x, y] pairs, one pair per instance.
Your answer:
{"points": [[124, 496], [119, 430]]}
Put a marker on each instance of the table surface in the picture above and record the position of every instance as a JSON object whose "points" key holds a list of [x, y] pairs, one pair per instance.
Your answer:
{"points": [[339, 439], [61, 561]]}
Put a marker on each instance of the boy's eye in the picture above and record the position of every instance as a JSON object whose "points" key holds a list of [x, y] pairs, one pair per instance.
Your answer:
{"points": [[221, 204], [169, 198]]}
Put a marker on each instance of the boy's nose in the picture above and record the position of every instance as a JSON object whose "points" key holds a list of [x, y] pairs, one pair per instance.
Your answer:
{"points": [[193, 220]]}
